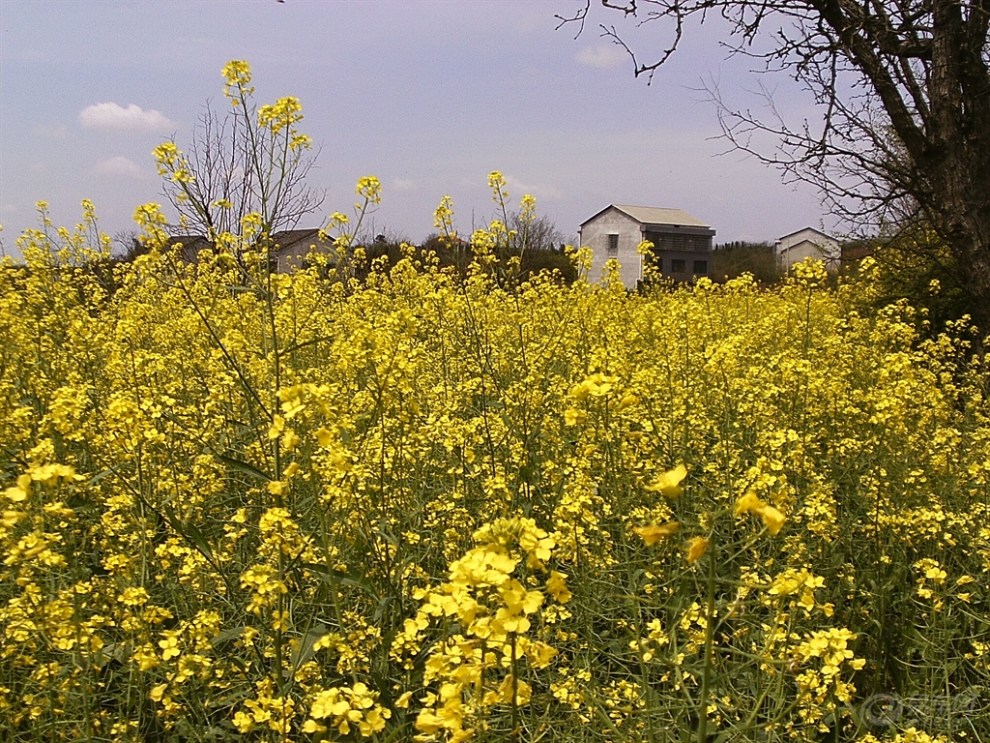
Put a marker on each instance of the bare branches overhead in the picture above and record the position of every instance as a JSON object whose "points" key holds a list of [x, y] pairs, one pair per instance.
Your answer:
{"points": [[903, 90]]}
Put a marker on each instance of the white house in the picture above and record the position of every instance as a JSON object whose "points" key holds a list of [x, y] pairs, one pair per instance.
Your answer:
{"points": [[808, 243], [682, 243]]}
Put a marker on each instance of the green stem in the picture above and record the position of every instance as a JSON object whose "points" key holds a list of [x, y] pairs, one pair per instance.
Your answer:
{"points": [[706, 678], [514, 670]]}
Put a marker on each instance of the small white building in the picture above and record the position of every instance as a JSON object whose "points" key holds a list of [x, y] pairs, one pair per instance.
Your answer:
{"points": [[808, 243], [682, 244]]}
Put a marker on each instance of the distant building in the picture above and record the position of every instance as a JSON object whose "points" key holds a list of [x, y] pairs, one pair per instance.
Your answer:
{"points": [[291, 247], [808, 243], [682, 244]]}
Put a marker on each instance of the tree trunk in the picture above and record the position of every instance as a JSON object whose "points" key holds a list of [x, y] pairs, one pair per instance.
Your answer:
{"points": [[959, 159]]}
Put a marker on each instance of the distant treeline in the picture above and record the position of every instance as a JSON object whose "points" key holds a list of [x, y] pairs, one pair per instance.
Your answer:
{"points": [[734, 258], [459, 256]]}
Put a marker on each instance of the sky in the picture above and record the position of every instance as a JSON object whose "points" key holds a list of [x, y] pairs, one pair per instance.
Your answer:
{"points": [[427, 95]]}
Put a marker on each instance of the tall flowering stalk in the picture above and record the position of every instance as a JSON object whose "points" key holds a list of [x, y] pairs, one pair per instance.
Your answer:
{"points": [[253, 159]]}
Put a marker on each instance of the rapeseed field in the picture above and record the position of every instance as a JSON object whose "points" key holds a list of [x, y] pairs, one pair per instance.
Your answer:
{"points": [[437, 505]]}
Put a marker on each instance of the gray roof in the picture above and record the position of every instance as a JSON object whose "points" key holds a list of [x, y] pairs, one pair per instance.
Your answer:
{"points": [[654, 215], [805, 229], [660, 215]]}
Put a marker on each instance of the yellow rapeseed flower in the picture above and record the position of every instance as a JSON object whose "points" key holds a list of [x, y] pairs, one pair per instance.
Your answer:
{"points": [[748, 503], [668, 484], [696, 549], [369, 188], [653, 533], [557, 587], [772, 519]]}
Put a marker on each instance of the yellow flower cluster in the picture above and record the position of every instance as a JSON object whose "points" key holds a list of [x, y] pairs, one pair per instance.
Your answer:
{"points": [[480, 665], [369, 188], [172, 164], [282, 116], [349, 707], [237, 75], [821, 691]]}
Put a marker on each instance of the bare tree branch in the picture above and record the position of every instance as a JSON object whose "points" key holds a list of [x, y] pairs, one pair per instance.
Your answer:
{"points": [[236, 167], [903, 89]]}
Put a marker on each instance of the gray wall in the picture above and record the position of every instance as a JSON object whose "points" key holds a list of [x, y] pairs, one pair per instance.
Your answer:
{"points": [[594, 234]]}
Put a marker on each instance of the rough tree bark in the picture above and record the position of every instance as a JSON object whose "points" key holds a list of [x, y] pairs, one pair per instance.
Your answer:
{"points": [[904, 87]]}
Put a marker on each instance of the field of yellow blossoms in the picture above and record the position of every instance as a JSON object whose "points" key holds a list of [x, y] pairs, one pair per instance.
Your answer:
{"points": [[439, 507]]}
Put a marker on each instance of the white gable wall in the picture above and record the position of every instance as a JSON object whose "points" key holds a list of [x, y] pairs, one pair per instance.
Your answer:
{"points": [[595, 235], [808, 243]]}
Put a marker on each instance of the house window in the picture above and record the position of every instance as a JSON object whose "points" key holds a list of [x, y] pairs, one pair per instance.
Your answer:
{"points": [[613, 246], [701, 268], [677, 265]]}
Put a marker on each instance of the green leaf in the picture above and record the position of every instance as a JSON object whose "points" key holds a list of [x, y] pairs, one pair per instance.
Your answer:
{"points": [[247, 469], [191, 533], [100, 475], [333, 577], [305, 648]]}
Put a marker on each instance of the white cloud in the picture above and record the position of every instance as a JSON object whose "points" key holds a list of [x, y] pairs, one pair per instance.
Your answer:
{"points": [[114, 116], [603, 56], [403, 184], [118, 166]]}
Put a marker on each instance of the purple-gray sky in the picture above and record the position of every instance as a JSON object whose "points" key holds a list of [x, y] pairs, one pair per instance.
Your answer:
{"points": [[428, 95]]}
